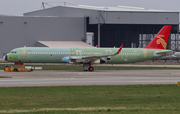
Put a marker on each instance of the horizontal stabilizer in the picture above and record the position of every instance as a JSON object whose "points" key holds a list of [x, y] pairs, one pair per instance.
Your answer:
{"points": [[176, 54], [165, 52]]}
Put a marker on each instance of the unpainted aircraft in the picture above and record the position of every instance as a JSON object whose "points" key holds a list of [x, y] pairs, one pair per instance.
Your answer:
{"points": [[88, 56]]}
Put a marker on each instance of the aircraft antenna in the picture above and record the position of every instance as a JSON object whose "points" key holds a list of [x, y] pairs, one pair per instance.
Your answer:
{"points": [[61, 4]]}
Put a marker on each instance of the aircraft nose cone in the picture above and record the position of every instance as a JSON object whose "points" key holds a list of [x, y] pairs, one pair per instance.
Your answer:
{"points": [[5, 57]]}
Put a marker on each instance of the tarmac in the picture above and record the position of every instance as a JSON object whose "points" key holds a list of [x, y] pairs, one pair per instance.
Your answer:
{"points": [[98, 77], [79, 78]]}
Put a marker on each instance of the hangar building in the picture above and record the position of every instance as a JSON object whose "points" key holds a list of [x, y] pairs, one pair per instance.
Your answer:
{"points": [[110, 26]]}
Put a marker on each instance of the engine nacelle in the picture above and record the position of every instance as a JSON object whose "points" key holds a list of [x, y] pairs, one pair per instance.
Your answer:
{"points": [[99, 61]]}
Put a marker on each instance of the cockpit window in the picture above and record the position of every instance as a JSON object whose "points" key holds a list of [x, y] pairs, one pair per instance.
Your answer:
{"points": [[14, 52]]}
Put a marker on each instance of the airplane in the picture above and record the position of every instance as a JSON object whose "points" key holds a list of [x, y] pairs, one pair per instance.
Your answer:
{"points": [[88, 56]]}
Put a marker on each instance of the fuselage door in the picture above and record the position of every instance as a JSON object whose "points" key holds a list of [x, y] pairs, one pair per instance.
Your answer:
{"points": [[145, 53], [23, 52]]}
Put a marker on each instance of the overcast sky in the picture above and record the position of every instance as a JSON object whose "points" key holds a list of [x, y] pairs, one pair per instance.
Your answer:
{"points": [[18, 7]]}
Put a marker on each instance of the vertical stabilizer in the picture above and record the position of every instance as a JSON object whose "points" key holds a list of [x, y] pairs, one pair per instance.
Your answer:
{"points": [[161, 39]]}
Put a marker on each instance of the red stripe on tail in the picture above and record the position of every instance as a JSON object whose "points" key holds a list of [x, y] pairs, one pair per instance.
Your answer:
{"points": [[161, 39]]}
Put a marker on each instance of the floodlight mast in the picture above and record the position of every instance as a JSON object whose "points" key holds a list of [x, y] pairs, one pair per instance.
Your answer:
{"points": [[100, 17], [99, 29], [43, 5], [64, 3]]}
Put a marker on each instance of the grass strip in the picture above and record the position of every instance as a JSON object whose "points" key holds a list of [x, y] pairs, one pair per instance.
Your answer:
{"points": [[89, 109], [91, 99], [5, 77]]}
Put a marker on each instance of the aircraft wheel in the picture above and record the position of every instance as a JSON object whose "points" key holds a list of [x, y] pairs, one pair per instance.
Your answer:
{"points": [[91, 69], [15, 70]]}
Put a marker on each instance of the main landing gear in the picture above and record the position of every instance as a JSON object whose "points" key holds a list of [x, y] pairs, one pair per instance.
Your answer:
{"points": [[88, 67]]}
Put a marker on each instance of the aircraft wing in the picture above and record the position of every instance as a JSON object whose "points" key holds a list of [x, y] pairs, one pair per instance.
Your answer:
{"points": [[93, 58]]}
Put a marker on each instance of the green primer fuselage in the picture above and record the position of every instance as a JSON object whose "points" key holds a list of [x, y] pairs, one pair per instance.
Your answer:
{"points": [[55, 55]]}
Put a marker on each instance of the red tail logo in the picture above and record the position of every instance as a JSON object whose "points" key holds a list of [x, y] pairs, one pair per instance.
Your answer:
{"points": [[161, 39]]}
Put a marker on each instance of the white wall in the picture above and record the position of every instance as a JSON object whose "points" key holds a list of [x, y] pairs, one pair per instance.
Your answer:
{"points": [[20, 31]]}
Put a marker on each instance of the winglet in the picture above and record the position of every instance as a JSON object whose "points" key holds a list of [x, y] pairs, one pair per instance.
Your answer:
{"points": [[96, 46], [119, 49]]}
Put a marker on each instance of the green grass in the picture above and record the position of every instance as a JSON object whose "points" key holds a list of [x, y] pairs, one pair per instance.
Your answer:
{"points": [[161, 99], [80, 67], [5, 77]]}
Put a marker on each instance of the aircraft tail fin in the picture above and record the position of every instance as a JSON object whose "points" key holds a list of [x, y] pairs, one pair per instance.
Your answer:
{"points": [[161, 39]]}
